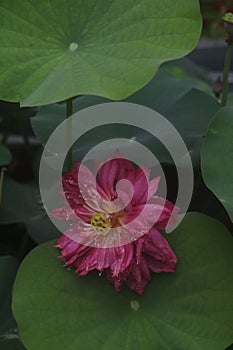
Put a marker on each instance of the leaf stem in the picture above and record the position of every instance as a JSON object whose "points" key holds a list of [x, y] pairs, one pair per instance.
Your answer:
{"points": [[1, 184], [69, 112], [226, 70]]}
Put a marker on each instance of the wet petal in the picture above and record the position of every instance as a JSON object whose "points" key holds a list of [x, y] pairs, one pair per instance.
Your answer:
{"points": [[153, 186], [169, 213], [112, 171], [64, 213], [141, 186], [139, 277], [123, 258]]}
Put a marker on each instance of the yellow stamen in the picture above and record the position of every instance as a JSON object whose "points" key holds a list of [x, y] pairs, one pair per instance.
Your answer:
{"points": [[101, 224]]}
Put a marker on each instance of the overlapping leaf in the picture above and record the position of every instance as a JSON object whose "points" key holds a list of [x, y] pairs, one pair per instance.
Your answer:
{"points": [[22, 203], [217, 156], [176, 99]]}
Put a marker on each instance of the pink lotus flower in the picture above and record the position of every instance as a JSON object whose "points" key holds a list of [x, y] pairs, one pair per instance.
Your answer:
{"points": [[114, 222]]}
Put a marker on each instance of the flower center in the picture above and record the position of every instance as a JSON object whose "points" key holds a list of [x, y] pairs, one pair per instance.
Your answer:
{"points": [[101, 223]]}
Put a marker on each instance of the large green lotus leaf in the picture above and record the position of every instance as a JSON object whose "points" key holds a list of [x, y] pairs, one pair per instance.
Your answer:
{"points": [[55, 49], [175, 99], [9, 339], [192, 122], [217, 156], [5, 156], [191, 309]]}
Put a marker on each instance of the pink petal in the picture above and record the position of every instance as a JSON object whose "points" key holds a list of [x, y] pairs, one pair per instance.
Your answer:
{"points": [[153, 186], [142, 218], [64, 213], [112, 171], [161, 266], [139, 247], [141, 186], [169, 213], [139, 277], [116, 281], [124, 256], [80, 188], [106, 177], [158, 253]]}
